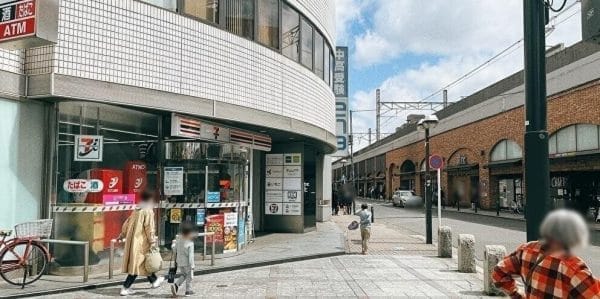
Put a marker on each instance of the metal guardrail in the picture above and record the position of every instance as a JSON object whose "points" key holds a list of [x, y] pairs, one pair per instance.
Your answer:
{"points": [[86, 253], [113, 242]]}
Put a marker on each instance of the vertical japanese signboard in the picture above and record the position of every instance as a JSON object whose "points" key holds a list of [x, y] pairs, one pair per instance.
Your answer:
{"points": [[340, 89]]}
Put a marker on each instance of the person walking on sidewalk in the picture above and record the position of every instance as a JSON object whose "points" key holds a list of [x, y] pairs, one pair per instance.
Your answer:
{"points": [[365, 226], [184, 257], [138, 231], [548, 267]]}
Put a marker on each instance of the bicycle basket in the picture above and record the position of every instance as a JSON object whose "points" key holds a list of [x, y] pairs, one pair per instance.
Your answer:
{"points": [[34, 229]]}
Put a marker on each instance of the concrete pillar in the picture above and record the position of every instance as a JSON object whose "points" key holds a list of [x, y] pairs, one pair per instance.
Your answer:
{"points": [[444, 242], [493, 254], [466, 253]]}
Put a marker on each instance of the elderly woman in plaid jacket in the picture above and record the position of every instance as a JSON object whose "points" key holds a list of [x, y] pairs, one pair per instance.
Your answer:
{"points": [[548, 267]]}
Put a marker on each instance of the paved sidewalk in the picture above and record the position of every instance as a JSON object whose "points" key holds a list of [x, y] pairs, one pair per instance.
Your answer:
{"points": [[269, 249]]}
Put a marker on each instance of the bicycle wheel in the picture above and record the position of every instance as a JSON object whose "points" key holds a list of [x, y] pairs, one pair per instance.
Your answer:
{"points": [[18, 269]]}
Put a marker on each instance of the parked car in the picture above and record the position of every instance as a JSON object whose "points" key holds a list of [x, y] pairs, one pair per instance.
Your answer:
{"points": [[406, 198]]}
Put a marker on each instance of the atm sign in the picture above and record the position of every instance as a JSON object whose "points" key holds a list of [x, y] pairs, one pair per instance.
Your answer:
{"points": [[17, 19]]}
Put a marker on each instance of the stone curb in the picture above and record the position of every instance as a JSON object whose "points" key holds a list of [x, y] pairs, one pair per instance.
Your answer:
{"points": [[199, 272]]}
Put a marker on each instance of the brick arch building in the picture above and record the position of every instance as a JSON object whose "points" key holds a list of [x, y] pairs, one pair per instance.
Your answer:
{"points": [[492, 120]]}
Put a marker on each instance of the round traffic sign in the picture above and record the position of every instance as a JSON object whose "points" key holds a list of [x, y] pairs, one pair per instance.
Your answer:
{"points": [[436, 162]]}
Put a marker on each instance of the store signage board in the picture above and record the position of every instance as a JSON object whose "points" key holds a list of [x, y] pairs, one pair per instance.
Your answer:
{"points": [[118, 199], [273, 195], [82, 186], [292, 171], [274, 171], [28, 23], [274, 159], [283, 195], [88, 148], [274, 208], [291, 196], [173, 181], [292, 183], [200, 215], [292, 159], [340, 89], [189, 127], [292, 209]]}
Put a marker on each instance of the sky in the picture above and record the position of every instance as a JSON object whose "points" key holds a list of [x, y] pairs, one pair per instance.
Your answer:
{"points": [[413, 48]]}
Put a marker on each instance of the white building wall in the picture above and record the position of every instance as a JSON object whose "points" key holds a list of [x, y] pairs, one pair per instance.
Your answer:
{"points": [[132, 43]]}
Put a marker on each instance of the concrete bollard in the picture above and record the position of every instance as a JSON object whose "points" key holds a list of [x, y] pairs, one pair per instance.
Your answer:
{"points": [[493, 254], [466, 253], [444, 242]]}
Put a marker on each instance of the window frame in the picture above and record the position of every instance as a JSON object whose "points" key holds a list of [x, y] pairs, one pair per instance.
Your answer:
{"points": [[312, 58]]}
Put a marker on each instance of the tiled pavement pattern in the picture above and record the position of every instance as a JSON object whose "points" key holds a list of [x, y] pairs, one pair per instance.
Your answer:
{"points": [[326, 240], [384, 240], [396, 276]]}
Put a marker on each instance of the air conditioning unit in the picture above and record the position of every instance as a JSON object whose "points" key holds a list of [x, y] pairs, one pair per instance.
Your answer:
{"points": [[590, 17]]}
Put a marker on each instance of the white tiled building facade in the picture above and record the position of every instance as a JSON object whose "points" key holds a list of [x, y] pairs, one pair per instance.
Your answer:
{"points": [[145, 56]]}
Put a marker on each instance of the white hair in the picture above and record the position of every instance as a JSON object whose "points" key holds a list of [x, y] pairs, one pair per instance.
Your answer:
{"points": [[566, 227]]}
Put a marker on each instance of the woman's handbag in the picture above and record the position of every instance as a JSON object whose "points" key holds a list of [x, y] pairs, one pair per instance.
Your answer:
{"points": [[153, 261], [353, 225]]}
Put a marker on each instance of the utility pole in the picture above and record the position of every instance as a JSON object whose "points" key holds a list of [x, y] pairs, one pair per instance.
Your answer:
{"points": [[377, 114], [445, 98], [352, 165], [536, 170]]}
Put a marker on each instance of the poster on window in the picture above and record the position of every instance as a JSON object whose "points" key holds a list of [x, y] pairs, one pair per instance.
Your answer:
{"points": [[173, 181], [88, 148], [230, 232], [215, 223]]}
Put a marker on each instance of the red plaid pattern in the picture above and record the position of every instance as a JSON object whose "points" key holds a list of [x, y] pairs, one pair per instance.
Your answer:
{"points": [[556, 275]]}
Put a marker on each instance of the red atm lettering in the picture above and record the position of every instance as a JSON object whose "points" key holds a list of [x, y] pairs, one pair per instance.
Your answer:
{"points": [[17, 29]]}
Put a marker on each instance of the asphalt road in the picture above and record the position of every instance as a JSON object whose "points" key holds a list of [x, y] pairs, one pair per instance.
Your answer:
{"points": [[487, 230]]}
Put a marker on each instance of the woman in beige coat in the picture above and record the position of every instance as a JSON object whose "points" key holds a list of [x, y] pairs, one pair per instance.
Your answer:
{"points": [[138, 231]]}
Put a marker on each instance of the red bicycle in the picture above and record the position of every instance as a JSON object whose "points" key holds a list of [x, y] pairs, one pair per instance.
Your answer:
{"points": [[24, 258]]}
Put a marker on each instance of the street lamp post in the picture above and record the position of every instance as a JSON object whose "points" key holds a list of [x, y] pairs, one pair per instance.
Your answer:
{"points": [[429, 122]]}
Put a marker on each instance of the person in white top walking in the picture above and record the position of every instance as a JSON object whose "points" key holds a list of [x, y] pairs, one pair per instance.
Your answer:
{"points": [[184, 257], [365, 226]]}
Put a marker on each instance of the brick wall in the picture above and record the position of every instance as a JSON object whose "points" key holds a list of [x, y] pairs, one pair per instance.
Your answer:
{"points": [[476, 140]]}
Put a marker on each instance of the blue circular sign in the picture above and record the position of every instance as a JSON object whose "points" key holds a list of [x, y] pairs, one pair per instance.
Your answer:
{"points": [[436, 162]]}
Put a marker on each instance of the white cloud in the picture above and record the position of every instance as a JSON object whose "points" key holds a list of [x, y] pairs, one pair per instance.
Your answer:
{"points": [[347, 12], [458, 35]]}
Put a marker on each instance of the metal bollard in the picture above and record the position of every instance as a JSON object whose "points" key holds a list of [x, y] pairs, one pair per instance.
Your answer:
{"points": [[86, 261], [111, 258], [372, 214], [212, 257]]}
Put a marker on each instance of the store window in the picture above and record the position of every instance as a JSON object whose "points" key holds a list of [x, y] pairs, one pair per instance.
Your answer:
{"points": [[331, 68], [319, 52], [268, 23], [575, 138], [239, 17], [210, 179], [307, 44], [207, 10], [506, 150], [168, 4], [290, 32], [106, 156]]}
